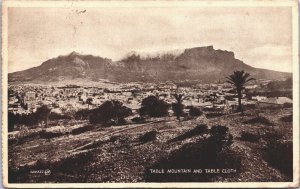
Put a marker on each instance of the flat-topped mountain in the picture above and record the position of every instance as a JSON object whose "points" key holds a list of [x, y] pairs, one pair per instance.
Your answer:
{"points": [[204, 64]]}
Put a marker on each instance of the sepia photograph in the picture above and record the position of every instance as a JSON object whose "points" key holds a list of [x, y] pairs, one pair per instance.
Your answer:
{"points": [[150, 94]]}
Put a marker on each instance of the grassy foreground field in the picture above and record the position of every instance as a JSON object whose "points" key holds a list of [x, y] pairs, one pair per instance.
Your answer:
{"points": [[117, 153]]}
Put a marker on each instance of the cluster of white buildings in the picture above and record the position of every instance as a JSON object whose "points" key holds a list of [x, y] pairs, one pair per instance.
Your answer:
{"points": [[26, 98]]}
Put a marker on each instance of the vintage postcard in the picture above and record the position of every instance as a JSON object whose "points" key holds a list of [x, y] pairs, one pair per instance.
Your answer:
{"points": [[124, 94]]}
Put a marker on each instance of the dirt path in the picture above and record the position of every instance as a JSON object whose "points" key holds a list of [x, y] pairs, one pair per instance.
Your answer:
{"points": [[109, 134]]}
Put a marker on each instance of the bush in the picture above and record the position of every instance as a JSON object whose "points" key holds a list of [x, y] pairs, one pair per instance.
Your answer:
{"points": [[213, 115], [288, 118], [153, 107], [198, 130], [25, 119], [138, 119], [82, 114], [279, 154], [250, 137], [148, 136], [80, 130], [195, 111], [121, 121], [111, 112], [220, 138], [51, 134], [259, 119], [69, 110]]}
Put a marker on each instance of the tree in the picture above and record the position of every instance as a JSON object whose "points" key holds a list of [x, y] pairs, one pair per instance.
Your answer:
{"points": [[110, 111], [239, 79], [43, 113], [89, 102], [153, 107], [68, 110], [178, 106]]}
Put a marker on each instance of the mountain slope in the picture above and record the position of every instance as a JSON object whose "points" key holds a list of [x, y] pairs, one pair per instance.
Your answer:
{"points": [[204, 64]]}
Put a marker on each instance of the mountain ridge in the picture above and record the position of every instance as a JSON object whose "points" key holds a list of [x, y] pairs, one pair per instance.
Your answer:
{"points": [[204, 64]]}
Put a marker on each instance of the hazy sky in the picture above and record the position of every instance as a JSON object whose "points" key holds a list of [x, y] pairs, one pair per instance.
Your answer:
{"points": [[261, 37]]}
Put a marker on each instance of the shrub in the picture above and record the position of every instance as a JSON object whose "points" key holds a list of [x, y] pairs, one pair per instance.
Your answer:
{"points": [[246, 136], [138, 119], [259, 119], [148, 136], [121, 121], [220, 138], [213, 115], [68, 109], [288, 118], [82, 114], [110, 111], [279, 154], [153, 107], [50, 134], [26, 119], [80, 130], [198, 130], [195, 111]]}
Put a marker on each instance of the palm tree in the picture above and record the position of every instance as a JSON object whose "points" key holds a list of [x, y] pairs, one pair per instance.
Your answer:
{"points": [[179, 98], [239, 79]]}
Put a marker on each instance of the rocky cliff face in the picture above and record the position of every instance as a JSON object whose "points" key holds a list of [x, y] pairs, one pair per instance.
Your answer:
{"points": [[204, 64]]}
